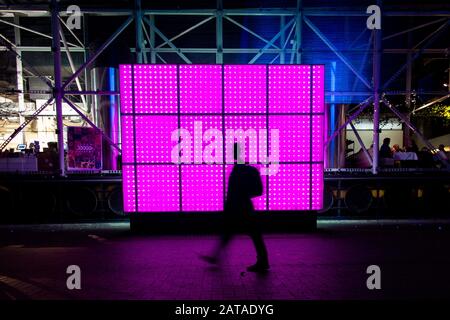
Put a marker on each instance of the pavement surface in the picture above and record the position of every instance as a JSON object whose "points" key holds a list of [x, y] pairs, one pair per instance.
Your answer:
{"points": [[330, 263]]}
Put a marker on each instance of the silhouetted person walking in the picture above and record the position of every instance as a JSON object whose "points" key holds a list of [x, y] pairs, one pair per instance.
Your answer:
{"points": [[243, 185]]}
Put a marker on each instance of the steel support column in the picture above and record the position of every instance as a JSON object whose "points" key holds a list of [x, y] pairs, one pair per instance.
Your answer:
{"points": [[19, 75], [138, 29], [408, 85], [219, 32], [298, 32], [376, 69], [151, 20], [57, 90], [282, 40]]}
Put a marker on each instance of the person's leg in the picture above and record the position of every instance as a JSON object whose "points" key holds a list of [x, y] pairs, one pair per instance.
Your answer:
{"points": [[221, 245], [218, 250], [261, 250]]}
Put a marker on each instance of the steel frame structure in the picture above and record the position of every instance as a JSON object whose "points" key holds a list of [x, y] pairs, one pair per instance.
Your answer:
{"points": [[291, 31]]}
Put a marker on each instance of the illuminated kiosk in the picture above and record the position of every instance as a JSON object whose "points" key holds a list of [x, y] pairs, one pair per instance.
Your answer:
{"points": [[161, 194]]}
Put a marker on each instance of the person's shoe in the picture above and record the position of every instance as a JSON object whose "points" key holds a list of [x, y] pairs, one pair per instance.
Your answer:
{"points": [[258, 267], [209, 259]]}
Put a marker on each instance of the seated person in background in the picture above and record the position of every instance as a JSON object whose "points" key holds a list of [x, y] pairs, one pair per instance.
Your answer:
{"points": [[396, 148], [385, 150], [386, 154]]}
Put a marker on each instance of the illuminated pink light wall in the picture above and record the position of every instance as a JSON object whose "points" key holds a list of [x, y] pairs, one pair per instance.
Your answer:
{"points": [[158, 99]]}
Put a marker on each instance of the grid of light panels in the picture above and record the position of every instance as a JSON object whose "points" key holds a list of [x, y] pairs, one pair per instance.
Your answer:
{"points": [[156, 100]]}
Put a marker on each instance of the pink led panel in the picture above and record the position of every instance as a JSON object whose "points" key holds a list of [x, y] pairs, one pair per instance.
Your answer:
{"points": [[157, 100], [318, 97], [317, 138], [289, 89], [201, 89], [289, 189], [259, 203], [127, 127], [317, 187], [202, 187], [294, 134], [155, 89], [158, 188], [203, 149], [245, 89], [126, 88], [153, 138], [129, 188]]}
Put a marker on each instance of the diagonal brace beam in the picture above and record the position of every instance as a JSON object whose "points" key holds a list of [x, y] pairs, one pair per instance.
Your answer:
{"points": [[336, 51], [251, 32], [361, 143], [24, 124], [430, 41], [271, 42], [159, 33], [82, 115], [433, 102], [11, 48], [361, 106], [195, 26], [413, 128], [32, 31], [98, 52]]}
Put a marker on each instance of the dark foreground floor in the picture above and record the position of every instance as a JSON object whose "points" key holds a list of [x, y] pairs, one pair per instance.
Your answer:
{"points": [[331, 263]]}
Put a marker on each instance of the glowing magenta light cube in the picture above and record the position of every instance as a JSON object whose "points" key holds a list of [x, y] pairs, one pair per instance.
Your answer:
{"points": [[317, 138], [202, 187], [158, 100], [126, 88], [129, 188], [201, 89], [127, 127], [317, 186], [318, 97]]}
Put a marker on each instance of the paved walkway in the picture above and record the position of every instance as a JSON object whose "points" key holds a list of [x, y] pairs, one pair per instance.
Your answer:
{"points": [[328, 264]]}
